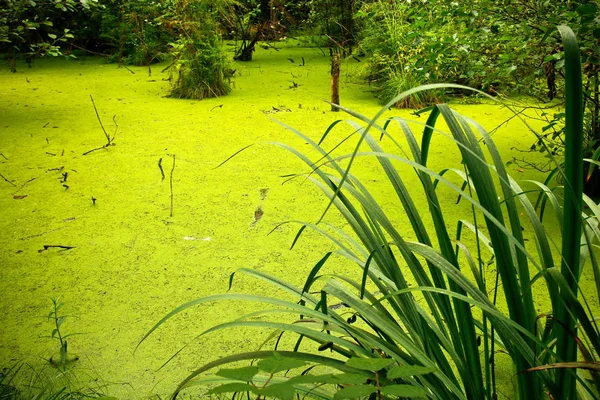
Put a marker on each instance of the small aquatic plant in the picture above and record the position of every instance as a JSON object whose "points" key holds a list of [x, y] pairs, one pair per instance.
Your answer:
{"points": [[428, 298], [63, 358]]}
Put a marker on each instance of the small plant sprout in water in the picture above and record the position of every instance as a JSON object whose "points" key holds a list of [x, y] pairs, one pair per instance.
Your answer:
{"points": [[62, 358]]}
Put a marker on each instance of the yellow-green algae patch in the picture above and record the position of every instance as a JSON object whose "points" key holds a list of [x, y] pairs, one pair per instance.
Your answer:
{"points": [[132, 262]]}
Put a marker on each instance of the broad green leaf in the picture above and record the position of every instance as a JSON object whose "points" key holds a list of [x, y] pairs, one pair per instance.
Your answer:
{"points": [[346, 378], [240, 374], [587, 9], [408, 370], [404, 391], [232, 387], [369, 364], [52, 36], [302, 379], [283, 391], [353, 392], [278, 363]]}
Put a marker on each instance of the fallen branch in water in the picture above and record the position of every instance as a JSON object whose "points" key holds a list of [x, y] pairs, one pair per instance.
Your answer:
{"points": [[109, 139], [162, 172], [58, 246], [3, 177]]}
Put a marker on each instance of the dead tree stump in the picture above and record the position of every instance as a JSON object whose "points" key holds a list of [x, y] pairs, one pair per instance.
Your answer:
{"points": [[335, 81]]}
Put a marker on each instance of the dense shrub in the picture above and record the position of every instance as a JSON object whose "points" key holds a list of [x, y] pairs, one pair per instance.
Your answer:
{"points": [[199, 70]]}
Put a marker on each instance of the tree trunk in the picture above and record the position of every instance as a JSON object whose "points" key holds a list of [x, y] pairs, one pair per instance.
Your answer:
{"points": [[248, 48], [335, 81]]}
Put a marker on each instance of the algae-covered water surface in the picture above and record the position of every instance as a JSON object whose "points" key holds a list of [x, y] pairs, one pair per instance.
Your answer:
{"points": [[149, 222]]}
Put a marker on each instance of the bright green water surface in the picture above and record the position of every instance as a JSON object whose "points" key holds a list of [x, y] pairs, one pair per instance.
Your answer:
{"points": [[132, 261]]}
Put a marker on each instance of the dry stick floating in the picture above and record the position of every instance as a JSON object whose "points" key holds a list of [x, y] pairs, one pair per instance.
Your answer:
{"points": [[58, 246], [171, 184], [99, 120], [41, 234], [116, 128], [23, 185], [121, 65], [3, 177], [170, 65], [162, 172], [108, 138]]}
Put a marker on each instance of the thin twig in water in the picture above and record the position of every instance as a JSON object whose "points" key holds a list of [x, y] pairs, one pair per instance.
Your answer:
{"points": [[125, 66], [170, 65], [3, 156], [97, 148], [100, 121], [162, 172], [545, 168], [171, 184], [116, 128], [3, 177], [23, 185], [41, 234], [109, 140]]}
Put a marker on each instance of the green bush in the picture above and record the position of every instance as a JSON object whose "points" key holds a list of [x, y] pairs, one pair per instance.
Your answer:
{"points": [[137, 32], [199, 69], [439, 41]]}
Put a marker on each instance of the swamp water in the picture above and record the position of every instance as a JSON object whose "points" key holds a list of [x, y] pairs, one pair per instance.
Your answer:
{"points": [[132, 262]]}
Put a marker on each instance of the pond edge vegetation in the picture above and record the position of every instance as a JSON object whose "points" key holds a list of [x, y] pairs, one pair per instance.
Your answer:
{"points": [[445, 333]]}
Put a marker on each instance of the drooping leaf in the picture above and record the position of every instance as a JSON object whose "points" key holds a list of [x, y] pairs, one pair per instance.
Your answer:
{"points": [[240, 374], [404, 391], [369, 364], [346, 378], [283, 391], [232, 387], [315, 270], [278, 363], [404, 371]]}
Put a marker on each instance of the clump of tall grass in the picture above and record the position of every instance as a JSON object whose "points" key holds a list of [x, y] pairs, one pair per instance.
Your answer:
{"points": [[454, 319], [399, 81], [199, 68], [22, 381]]}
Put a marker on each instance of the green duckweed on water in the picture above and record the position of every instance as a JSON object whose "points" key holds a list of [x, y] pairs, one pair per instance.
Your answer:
{"points": [[132, 262]]}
